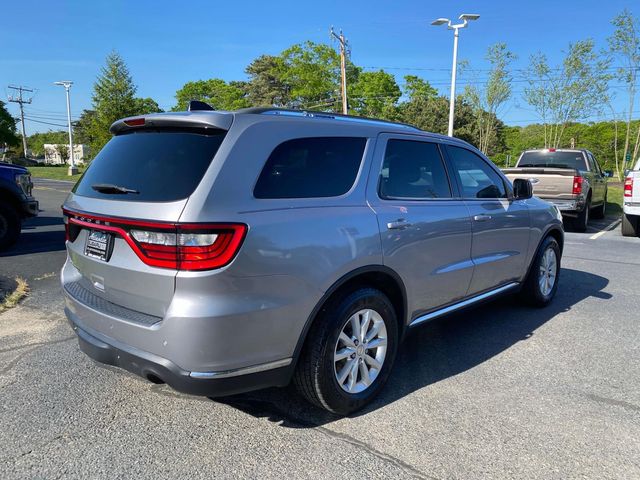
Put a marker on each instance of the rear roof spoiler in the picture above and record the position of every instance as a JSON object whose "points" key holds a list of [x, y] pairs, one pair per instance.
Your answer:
{"points": [[206, 119]]}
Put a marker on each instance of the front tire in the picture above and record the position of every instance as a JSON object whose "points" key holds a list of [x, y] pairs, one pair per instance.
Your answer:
{"points": [[542, 282], [10, 225], [349, 352], [629, 225]]}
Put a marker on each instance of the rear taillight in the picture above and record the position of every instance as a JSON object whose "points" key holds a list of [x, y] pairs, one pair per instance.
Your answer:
{"points": [[178, 246], [577, 185], [628, 187]]}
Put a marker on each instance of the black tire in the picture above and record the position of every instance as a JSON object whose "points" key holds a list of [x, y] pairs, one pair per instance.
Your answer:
{"points": [[315, 375], [599, 212], [10, 225], [629, 227], [581, 222], [531, 291]]}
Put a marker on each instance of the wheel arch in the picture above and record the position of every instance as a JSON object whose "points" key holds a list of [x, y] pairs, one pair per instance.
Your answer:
{"points": [[554, 231], [380, 277]]}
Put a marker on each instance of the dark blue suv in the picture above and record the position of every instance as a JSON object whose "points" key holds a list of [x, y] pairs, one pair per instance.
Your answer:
{"points": [[16, 202]]}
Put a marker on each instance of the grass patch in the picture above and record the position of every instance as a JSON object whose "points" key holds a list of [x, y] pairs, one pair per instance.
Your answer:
{"points": [[11, 299], [614, 200], [55, 173]]}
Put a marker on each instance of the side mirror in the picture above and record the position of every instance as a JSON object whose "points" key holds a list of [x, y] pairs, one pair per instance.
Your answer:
{"points": [[608, 173], [522, 189]]}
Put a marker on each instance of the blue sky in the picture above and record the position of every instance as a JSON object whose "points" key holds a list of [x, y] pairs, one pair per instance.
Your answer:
{"points": [[167, 44]]}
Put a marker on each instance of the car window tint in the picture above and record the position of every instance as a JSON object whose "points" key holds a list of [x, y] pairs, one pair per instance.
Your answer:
{"points": [[553, 159], [413, 170], [311, 167], [477, 178], [161, 165]]}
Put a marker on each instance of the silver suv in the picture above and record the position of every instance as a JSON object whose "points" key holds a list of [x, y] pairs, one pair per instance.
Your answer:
{"points": [[221, 252]]}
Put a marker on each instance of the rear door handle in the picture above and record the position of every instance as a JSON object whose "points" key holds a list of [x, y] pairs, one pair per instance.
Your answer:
{"points": [[482, 217], [399, 224]]}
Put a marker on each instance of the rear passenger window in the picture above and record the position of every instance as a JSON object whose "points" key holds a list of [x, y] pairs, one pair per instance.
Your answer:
{"points": [[413, 170], [311, 167], [477, 178]]}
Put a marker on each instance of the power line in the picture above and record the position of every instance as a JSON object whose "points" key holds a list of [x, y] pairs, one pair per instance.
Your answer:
{"points": [[45, 123], [21, 101]]}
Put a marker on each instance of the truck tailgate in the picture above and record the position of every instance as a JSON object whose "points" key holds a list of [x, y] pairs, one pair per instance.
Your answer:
{"points": [[551, 183]]}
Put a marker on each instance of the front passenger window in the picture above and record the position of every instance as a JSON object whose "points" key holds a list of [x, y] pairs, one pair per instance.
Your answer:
{"points": [[477, 178]]}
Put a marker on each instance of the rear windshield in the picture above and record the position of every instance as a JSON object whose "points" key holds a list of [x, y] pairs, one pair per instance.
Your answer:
{"points": [[553, 159], [162, 166]]}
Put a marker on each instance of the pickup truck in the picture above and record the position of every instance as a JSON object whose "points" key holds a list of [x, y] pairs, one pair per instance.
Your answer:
{"points": [[16, 202], [571, 179], [631, 206]]}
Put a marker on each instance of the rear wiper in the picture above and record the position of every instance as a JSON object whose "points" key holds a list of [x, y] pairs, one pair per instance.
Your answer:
{"points": [[111, 188]]}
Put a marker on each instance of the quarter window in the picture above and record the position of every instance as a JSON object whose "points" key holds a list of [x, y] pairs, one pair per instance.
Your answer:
{"points": [[413, 170], [477, 178], [311, 167]]}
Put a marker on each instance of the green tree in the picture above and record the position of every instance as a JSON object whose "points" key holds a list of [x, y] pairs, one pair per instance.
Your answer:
{"points": [[142, 106], [8, 133], [82, 128], [312, 73], [113, 98], [624, 45], [375, 94], [416, 87], [486, 100], [574, 91], [266, 85], [432, 114], [216, 92]]}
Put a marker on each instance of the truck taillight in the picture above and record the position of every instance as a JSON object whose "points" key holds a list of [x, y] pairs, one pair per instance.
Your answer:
{"points": [[628, 187], [577, 185], [178, 246]]}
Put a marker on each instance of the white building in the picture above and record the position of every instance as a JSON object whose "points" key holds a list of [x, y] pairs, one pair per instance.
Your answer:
{"points": [[53, 153]]}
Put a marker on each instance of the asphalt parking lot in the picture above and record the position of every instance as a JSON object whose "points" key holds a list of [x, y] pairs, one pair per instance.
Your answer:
{"points": [[503, 391]]}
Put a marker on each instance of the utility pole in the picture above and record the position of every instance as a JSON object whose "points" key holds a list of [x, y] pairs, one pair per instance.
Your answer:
{"points": [[72, 167], [343, 68], [21, 101]]}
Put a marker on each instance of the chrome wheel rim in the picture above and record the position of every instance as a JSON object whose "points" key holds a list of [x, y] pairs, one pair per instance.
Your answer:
{"points": [[548, 271], [360, 351]]}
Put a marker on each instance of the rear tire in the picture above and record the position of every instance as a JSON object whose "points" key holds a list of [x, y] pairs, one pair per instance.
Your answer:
{"points": [[599, 212], [332, 349], [581, 222], [10, 225], [542, 282], [629, 227]]}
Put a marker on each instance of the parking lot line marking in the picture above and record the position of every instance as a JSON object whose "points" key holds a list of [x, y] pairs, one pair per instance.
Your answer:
{"points": [[606, 229]]}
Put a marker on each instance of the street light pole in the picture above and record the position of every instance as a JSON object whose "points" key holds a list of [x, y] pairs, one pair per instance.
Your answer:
{"points": [[72, 166], [465, 17]]}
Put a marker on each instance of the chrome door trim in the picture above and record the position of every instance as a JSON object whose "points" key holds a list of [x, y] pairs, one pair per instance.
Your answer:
{"points": [[462, 304]]}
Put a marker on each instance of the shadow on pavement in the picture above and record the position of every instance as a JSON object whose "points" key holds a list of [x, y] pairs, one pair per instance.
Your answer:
{"points": [[436, 351], [36, 242], [41, 222]]}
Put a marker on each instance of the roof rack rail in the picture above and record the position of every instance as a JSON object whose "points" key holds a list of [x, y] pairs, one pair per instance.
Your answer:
{"points": [[197, 105], [325, 115]]}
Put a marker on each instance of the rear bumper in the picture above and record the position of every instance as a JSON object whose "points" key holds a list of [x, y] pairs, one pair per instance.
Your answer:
{"points": [[160, 370], [567, 207], [631, 208]]}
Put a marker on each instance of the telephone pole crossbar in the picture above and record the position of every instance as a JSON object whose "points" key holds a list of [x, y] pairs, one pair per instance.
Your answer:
{"points": [[20, 100], [343, 68]]}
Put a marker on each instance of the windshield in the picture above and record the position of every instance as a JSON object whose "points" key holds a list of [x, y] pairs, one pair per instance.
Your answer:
{"points": [[546, 158], [150, 166]]}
